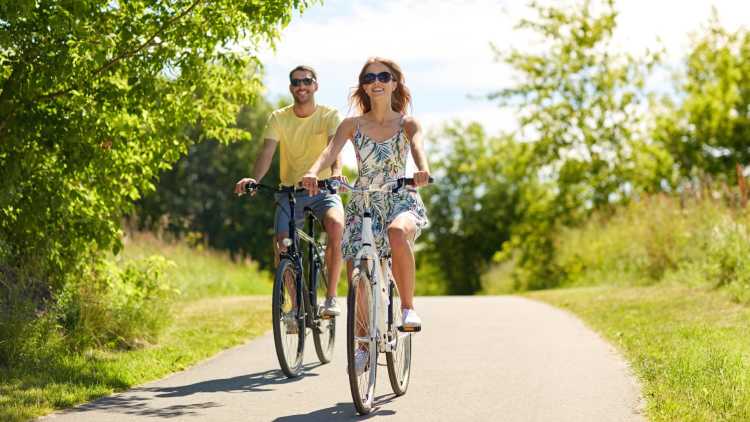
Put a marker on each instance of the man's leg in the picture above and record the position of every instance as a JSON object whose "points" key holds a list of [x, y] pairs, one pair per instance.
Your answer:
{"points": [[333, 222]]}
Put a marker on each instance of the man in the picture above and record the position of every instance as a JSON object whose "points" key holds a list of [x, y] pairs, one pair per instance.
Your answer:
{"points": [[303, 130]]}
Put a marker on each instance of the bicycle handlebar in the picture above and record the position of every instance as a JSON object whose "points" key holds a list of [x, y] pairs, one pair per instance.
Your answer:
{"points": [[327, 184], [392, 187]]}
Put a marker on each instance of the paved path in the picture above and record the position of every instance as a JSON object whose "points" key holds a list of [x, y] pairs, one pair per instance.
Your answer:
{"points": [[477, 359]]}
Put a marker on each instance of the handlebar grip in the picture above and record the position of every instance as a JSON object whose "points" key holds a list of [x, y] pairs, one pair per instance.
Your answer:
{"points": [[410, 180]]}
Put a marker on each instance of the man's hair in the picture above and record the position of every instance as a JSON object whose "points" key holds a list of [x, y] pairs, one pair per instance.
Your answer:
{"points": [[306, 69]]}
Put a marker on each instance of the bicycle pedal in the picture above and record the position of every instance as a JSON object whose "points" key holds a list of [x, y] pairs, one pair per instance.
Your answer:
{"points": [[409, 329]]}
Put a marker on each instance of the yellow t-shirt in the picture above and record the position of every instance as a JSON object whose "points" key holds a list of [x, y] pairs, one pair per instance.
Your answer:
{"points": [[301, 140]]}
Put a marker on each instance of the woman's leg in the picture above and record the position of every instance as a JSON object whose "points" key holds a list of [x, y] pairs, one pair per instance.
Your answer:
{"points": [[400, 235]]}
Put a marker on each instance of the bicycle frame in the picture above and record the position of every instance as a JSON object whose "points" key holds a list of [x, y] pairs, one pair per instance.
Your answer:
{"points": [[293, 254], [378, 268]]}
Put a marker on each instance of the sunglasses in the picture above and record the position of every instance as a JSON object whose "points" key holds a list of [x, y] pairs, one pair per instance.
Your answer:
{"points": [[306, 81], [383, 77]]}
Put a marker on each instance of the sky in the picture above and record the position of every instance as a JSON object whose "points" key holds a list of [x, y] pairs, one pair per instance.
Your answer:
{"points": [[444, 48]]}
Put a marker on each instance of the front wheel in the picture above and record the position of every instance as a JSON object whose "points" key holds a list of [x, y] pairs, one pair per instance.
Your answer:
{"points": [[399, 359], [324, 330], [361, 348], [288, 330]]}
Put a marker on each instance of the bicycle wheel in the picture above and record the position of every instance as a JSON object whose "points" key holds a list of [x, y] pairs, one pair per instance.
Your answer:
{"points": [[360, 318], [398, 360], [324, 328], [288, 331]]}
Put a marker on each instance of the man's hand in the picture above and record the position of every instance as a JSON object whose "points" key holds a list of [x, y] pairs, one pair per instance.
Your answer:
{"points": [[310, 182], [421, 178], [341, 178], [241, 186]]}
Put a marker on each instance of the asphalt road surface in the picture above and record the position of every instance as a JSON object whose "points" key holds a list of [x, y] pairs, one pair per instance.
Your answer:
{"points": [[499, 358]]}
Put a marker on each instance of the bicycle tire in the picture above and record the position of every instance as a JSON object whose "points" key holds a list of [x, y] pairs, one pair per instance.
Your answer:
{"points": [[290, 345], [363, 385], [324, 328], [398, 361]]}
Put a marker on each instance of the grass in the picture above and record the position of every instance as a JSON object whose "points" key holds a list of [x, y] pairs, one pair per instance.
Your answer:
{"points": [[216, 310], [200, 273], [690, 347]]}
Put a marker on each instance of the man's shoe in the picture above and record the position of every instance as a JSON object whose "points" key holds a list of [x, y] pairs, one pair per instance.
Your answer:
{"points": [[330, 308], [411, 321]]}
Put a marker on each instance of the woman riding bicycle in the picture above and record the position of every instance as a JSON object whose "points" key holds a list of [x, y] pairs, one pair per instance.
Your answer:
{"points": [[382, 136]]}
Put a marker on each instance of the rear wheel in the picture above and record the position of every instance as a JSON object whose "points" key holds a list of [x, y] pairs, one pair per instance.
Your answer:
{"points": [[360, 345], [288, 330], [398, 360], [324, 329]]}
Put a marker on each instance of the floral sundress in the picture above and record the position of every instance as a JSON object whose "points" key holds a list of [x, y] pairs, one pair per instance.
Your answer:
{"points": [[380, 162]]}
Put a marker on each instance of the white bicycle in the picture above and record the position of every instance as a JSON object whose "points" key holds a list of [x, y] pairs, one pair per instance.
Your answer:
{"points": [[374, 313]]}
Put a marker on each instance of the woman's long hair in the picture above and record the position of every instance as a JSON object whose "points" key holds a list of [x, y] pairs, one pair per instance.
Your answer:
{"points": [[400, 98]]}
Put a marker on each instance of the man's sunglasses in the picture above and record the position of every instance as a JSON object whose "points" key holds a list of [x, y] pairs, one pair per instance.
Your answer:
{"points": [[306, 81], [383, 77]]}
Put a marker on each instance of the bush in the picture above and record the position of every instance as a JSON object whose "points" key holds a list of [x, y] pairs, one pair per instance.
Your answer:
{"points": [[115, 307], [661, 239]]}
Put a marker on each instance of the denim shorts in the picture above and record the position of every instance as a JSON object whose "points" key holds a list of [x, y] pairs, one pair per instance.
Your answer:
{"points": [[319, 204]]}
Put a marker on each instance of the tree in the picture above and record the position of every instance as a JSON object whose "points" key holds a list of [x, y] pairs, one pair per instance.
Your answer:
{"points": [[580, 105], [196, 195], [580, 109], [96, 99], [707, 127], [474, 204]]}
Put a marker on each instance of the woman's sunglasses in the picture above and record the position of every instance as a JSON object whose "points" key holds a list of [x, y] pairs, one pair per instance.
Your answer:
{"points": [[383, 77], [306, 81]]}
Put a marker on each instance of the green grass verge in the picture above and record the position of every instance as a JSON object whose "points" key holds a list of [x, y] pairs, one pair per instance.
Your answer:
{"points": [[201, 329], [215, 310], [201, 273], [690, 347]]}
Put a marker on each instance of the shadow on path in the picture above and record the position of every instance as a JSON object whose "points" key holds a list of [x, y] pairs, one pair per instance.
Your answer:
{"points": [[341, 412], [141, 401]]}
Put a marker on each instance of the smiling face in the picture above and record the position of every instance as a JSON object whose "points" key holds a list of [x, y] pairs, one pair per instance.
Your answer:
{"points": [[303, 93], [378, 89]]}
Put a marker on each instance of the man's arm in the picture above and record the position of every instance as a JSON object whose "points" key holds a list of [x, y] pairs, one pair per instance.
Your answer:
{"points": [[264, 159], [262, 164]]}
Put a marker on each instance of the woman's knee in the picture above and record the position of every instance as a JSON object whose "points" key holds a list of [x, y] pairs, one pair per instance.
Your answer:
{"points": [[399, 235]]}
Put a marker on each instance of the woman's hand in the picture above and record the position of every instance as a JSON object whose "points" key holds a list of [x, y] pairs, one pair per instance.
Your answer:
{"points": [[310, 182], [421, 178]]}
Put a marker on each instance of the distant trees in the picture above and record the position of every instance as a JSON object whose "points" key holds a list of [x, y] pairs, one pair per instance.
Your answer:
{"points": [[707, 127], [591, 136], [196, 198]]}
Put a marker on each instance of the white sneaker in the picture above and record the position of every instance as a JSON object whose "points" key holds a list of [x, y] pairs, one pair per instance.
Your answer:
{"points": [[330, 307], [361, 361], [411, 321]]}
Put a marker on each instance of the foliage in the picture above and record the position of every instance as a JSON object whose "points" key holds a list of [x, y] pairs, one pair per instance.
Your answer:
{"points": [[195, 197], [658, 239], [95, 101], [707, 127], [580, 108], [473, 205], [113, 307]]}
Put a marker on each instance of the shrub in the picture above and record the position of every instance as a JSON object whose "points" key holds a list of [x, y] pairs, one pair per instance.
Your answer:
{"points": [[117, 307]]}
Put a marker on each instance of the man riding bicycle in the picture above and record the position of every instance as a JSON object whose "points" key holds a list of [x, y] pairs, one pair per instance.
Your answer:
{"points": [[303, 131]]}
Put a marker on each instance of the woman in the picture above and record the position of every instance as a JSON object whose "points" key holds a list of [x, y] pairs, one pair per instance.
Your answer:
{"points": [[382, 136]]}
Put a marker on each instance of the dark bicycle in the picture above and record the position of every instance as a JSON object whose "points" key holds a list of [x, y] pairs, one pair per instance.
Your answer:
{"points": [[291, 322]]}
